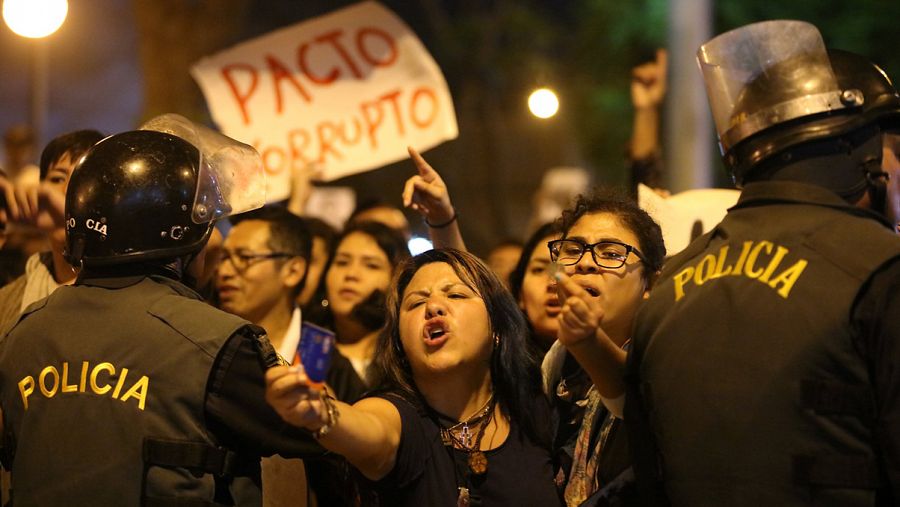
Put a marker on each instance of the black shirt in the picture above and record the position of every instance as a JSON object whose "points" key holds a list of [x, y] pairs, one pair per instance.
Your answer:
{"points": [[519, 472]]}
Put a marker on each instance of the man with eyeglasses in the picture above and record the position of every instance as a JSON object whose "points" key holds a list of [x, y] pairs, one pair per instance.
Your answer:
{"points": [[764, 364], [261, 271]]}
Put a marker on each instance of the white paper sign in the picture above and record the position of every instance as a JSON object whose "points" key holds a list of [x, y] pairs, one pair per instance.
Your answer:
{"points": [[348, 90], [685, 214]]}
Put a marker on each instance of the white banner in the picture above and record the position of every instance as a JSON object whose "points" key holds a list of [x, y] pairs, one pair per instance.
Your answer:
{"points": [[347, 91]]}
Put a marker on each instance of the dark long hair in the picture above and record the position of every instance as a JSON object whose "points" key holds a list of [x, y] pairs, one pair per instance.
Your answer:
{"points": [[515, 375], [517, 276], [370, 311]]}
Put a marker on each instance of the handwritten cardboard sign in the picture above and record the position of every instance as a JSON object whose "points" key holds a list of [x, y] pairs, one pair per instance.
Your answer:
{"points": [[347, 91]]}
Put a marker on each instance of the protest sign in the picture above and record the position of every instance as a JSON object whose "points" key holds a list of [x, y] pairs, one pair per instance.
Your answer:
{"points": [[687, 214], [347, 91]]}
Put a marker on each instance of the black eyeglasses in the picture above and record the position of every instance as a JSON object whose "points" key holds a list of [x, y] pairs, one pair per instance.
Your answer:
{"points": [[606, 254], [243, 260]]}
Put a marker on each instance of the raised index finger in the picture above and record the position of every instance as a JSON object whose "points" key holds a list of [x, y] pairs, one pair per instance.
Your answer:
{"points": [[425, 170]]}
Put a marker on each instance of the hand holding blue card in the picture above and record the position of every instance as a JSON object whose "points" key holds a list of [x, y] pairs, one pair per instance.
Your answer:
{"points": [[314, 351]]}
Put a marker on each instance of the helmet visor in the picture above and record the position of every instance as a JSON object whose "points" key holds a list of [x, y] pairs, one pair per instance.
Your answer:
{"points": [[231, 178], [764, 74]]}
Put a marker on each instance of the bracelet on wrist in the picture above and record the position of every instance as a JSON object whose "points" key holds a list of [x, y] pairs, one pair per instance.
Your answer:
{"points": [[332, 412], [443, 224]]}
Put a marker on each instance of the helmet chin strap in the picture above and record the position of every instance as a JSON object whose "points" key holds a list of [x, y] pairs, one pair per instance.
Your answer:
{"points": [[877, 190]]}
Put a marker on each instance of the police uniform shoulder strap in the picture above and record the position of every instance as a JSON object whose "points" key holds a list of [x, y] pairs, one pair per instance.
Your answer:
{"points": [[201, 323]]}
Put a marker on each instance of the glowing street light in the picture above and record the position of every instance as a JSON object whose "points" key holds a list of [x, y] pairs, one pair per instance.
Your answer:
{"points": [[35, 18], [543, 103]]}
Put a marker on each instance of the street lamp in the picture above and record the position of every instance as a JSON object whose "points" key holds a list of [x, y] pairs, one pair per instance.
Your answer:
{"points": [[36, 19], [543, 103]]}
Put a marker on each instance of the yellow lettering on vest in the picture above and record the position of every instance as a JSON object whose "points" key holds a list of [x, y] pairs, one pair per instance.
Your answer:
{"points": [[680, 279], [739, 265], [26, 387], [751, 259], [96, 372], [84, 369], [48, 392], [705, 269], [139, 391], [788, 278], [773, 264], [720, 265], [121, 381], [66, 387]]}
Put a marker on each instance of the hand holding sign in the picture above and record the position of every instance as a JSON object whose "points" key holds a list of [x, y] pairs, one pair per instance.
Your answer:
{"points": [[348, 91]]}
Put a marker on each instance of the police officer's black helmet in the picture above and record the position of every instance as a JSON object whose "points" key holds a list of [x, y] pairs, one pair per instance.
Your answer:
{"points": [[778, 96], [866, 91], [130, 200]]}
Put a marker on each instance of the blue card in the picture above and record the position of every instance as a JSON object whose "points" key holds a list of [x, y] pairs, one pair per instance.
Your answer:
{"points": [[314, 350]]}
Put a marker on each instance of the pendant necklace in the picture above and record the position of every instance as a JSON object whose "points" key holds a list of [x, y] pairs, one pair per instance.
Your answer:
{"points": [[466, 436]]}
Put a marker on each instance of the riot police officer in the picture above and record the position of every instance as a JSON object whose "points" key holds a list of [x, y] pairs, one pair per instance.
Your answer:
{"points": [[126, 388], [763, 364]]}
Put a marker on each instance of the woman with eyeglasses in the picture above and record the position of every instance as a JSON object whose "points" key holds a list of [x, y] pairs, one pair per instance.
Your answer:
{"points": [[607, 257]]}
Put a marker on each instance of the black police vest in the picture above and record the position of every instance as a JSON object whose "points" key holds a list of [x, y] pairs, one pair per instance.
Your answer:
{"points": [[747, 374], [103, 397]]}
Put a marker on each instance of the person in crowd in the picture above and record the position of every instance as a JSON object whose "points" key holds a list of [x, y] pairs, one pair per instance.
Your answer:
{"points": [[610, 251], [502, 258], [19, 147], [535, 290], [648, 91], [374, 210], [262, 270], [262, 267], [460, 419], [43, 207], [760, 372], [355, 284], [324, 239], [145, 394]]}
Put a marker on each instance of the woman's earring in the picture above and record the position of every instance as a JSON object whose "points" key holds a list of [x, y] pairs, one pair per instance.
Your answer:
{"points": [[496, 340]]}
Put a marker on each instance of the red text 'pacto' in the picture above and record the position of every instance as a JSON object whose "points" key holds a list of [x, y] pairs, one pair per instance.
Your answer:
{"points": [[352, 55]]}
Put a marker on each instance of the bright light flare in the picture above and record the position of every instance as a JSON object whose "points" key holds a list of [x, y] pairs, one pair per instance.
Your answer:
{"points": [[419, 245], [35, 18], [543, 103]]}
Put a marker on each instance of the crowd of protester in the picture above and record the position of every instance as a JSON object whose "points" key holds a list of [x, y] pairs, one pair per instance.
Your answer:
{"points": [[453, 380]]}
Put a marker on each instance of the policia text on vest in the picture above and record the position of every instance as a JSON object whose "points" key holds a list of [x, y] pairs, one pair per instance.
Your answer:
{"points": [[53, 381], [755, 261]]}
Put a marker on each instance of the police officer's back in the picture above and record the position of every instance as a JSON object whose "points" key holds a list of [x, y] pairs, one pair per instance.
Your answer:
{"points": [[758, 372], [126, 388]]}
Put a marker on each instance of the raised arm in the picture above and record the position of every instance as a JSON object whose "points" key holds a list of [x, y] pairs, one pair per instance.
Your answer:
{"points": [[302, 178], [427, 193], [367, 433]]}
